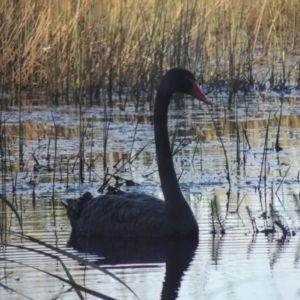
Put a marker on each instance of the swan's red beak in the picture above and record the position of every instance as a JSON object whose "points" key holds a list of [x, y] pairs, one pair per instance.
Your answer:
{"points": [[198, 94]]}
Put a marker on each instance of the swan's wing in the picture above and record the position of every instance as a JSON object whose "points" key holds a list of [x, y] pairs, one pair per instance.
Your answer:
{"points": [[132, 215]]}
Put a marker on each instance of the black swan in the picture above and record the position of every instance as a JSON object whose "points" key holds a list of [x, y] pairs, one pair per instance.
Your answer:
{"points": [[138, 215]]}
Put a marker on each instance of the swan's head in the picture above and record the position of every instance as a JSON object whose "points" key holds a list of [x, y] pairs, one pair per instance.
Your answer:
{"points": [[183, 81]]}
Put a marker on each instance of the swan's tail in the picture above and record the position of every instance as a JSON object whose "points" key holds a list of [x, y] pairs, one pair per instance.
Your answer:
{"points": [[67, 202], [75, 207], [77, 204]]}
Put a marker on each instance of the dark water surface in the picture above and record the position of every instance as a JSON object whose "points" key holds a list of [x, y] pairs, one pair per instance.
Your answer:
{"points": [[240, 264]]}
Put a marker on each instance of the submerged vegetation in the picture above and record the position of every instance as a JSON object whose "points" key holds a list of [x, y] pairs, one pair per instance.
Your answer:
{"points": [[105, 49]]}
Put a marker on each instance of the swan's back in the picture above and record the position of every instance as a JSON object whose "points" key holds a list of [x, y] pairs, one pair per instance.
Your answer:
{"points": [[128, 215]]}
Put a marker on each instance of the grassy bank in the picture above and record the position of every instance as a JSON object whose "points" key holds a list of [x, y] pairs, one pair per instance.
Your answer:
{"points": [[107, 47]]}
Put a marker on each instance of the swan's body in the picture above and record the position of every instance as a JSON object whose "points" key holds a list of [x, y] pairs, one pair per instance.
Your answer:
{"points": [[137, 215]]}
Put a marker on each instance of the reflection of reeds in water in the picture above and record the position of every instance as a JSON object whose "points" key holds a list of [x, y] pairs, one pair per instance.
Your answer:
{"points": [[275, 219], [280, 222], [253, 222], [50, 251], [277, 146], [263, 170], [217, 222], [224, 150]]}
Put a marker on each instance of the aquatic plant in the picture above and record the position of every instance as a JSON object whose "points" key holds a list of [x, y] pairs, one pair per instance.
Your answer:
{"points": [[106, 50], [54, 253], [217, 221]]}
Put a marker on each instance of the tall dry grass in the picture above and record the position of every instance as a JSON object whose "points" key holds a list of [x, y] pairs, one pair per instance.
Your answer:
{"points": [[103, 47]]}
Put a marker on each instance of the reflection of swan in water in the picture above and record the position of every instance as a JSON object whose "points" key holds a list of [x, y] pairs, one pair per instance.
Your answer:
{"points": [[177, 254], [137, 215]]}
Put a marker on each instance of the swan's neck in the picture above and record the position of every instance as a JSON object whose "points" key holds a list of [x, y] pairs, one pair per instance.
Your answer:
{"points": [[175, 202]]}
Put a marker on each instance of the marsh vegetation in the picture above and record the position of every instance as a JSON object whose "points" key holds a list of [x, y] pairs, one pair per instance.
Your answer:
{"points": [[106, 50], [77, 85]]}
